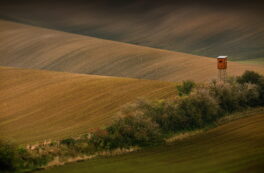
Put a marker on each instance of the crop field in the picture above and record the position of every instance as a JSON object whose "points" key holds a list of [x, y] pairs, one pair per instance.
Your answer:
{"points": [[131, 86], [37, 105], [33, 47], [235, 147], [200, 29]]}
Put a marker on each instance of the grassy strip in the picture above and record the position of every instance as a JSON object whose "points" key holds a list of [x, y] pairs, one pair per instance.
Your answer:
{"points": [[224, 120], [58, 153], [236, 146]]}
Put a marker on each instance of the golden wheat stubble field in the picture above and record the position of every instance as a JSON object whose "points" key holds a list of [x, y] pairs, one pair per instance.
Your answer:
{"points": [[37, 105], [34, 47]]}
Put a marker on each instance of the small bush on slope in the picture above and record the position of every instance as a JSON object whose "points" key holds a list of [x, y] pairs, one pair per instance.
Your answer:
{"points": [[261, 91], [162, 112], [159, 111], [9, 160], [186, 87], [198, 109], [232, 97], [254, 78], [13, 158], [68, 141], [129, 131], [249, 77]]}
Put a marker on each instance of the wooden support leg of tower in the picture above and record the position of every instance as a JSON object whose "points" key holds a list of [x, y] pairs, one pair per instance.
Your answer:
{"points": [[222, 75]]}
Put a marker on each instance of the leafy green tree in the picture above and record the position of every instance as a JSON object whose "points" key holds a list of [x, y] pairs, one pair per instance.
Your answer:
{"points": [[249, 77]]}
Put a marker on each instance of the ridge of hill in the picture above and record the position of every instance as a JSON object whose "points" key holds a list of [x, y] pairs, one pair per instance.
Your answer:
{"points": [[204, 28], [38, 48]]}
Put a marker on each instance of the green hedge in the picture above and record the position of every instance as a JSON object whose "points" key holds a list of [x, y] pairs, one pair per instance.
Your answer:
{"points": [[149, 122], [128, 131], [16, 159]]}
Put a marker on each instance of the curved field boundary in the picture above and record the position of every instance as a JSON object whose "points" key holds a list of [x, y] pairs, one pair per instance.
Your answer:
{"points": [[37, 105], [34, 47]]}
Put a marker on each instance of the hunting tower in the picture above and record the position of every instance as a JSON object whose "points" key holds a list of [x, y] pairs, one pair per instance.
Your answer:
{"points": [[222, 66]]}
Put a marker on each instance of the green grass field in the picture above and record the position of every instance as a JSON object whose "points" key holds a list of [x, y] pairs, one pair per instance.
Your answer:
{"points": [[235, 147]]}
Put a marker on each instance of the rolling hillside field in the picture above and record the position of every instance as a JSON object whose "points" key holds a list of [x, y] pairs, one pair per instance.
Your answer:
{"points": [[36, 105], [34, 47], [235, 147], [131, 86], [198, 27], [257, 61]]}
